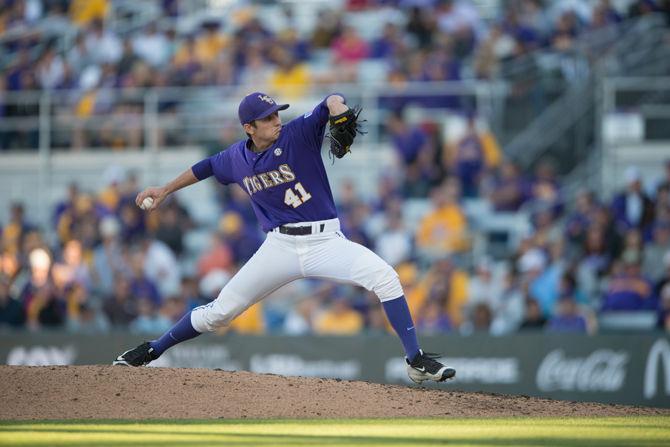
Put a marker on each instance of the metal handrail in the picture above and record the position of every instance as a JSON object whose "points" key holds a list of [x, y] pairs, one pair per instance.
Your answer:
{"points": [[640, 83], [428, 87], [544, 131], [216, 107]]}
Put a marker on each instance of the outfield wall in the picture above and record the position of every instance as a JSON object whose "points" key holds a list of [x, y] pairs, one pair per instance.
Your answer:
{"points": [[626, 369]]}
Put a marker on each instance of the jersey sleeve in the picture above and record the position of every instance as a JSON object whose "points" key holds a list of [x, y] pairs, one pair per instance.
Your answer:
{"points": [[203, 169], [313, 124], [219, 165]]}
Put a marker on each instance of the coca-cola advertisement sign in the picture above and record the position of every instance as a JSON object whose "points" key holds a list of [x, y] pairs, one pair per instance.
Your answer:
{"points": [[603, 370]]}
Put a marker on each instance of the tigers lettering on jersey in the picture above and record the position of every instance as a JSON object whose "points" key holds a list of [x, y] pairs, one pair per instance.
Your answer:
{"points": [[270, 179]]}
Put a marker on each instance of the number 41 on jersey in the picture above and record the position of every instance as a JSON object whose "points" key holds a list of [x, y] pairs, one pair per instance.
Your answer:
{"points": [[292, 199]]}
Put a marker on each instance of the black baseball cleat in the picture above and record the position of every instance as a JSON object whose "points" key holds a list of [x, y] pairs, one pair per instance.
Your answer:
{"points": [[424, 367], [140, 356]]}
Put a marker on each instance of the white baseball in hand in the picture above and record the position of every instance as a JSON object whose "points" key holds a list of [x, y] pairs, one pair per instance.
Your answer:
{"points": [[146, 203]]}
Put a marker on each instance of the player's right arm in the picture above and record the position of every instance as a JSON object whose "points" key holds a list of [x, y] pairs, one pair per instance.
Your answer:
{"points": [[218, 165], [160, 193]]}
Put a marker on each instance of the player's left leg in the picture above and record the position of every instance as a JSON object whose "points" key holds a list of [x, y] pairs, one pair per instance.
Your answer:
{"points": [[339, 259]]}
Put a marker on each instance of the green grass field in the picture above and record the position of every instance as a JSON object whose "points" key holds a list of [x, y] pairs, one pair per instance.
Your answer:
{"points": [[633, 431]]}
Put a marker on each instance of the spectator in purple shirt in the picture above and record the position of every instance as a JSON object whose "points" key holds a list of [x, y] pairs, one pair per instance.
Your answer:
{"points": [[407, 140], [523, 32], [469, 159], [507, 190], [15, 73], [567, 318], [140, 285], [432, 320], [389, 45], [236, 200], [242, 240], [132, 222], [388, 193], [629, 290]]}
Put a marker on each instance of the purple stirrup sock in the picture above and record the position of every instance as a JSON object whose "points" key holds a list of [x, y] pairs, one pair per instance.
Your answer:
{"points": [[183, 330], [400, 318]]}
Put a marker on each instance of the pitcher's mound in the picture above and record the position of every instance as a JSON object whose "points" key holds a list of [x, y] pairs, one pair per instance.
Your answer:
{"points": [[116, 392]]}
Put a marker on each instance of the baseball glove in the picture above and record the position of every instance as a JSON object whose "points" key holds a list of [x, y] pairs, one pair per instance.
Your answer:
{"points": [[342, 131]]}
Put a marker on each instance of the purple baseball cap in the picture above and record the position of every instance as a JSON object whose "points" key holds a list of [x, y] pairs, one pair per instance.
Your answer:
{"points": [[256, 106]]}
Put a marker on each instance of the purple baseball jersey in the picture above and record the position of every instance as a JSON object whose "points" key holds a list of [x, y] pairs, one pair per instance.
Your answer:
{"points": [[287, 182]]}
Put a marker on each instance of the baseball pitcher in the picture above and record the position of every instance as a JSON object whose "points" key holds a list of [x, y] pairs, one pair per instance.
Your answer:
{"points": [[281, 168]]}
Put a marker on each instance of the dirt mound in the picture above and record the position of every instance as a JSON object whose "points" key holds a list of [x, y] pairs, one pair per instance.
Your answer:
{"points": [[108, 392]]}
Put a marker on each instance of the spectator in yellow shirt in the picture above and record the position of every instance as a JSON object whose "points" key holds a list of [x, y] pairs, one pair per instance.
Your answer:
{"points": [[185, 57], [210, 44], [290, 79], [338, 319], [445, 284], [85, 11], [16, 229], [444, 229], [250, 321]]}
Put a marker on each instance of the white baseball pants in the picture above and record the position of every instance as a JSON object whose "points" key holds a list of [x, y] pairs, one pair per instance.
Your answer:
{"points": [[284, 258]]}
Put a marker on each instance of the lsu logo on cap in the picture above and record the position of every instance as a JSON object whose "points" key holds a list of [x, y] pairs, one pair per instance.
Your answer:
{"points": [[267, 99]]}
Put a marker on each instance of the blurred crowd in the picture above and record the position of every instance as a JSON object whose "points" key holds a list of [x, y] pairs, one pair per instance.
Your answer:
{"points": [[113, 266], [104, 264], [420, 41]]}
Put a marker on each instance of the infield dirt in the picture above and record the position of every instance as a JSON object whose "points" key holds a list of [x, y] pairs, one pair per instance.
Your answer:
{"points": [[113, 392]]}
